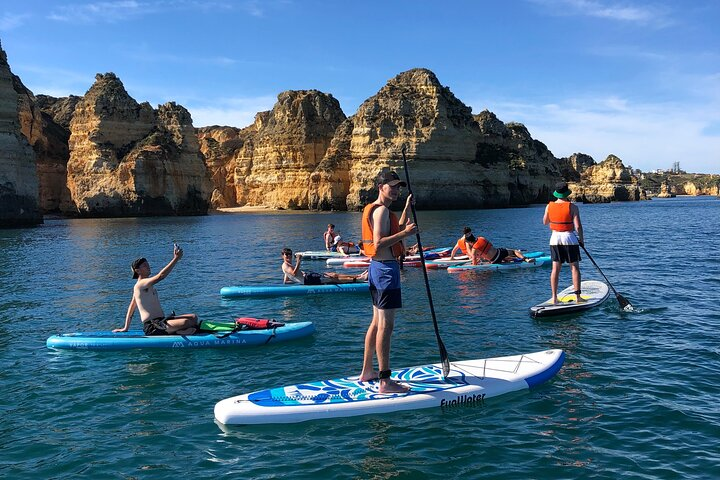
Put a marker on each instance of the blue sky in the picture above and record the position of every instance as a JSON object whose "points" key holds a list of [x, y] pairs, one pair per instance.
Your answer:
{"points": [[638, 79]]}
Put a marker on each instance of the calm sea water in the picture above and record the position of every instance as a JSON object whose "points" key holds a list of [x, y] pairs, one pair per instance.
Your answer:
{"points": [[637, 396]]}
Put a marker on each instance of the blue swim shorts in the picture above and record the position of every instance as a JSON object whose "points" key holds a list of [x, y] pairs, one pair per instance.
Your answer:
{"points": [[384, 279]]}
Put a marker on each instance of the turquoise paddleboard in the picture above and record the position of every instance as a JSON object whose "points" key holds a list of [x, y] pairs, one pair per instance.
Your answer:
{"points": [[136, 339]]}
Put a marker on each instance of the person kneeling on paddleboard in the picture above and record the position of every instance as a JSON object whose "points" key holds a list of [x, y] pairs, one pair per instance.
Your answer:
{"points": [[481, 250], [145, 299], [293, 274]]}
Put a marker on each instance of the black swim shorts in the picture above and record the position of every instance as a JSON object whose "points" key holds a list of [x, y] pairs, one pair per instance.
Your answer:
{"points": [[156, 326], [565, 253]]}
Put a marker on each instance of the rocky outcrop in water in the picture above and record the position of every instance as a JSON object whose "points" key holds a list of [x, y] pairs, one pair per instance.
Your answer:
{"points": [[274, 164], [49, 140], [456, 160], [607, 181], [219, 146], [127, 159], [19, 198]]}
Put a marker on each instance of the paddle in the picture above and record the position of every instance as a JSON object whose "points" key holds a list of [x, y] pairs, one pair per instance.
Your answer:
{"points": [[443, 352], [624, 302]]}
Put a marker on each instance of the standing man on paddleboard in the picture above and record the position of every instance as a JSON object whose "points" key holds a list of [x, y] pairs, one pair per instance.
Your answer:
{"points": [[382, 240], [145, 299], [563, 218]]}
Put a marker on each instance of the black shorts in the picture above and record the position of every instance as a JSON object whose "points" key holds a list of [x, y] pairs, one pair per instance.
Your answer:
{"points": [[156, 326], [500, 255], [565, 253], [312, 278]]}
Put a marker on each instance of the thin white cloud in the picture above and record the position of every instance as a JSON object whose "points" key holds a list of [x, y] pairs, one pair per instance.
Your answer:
{"points": [[109, 12], [234, 112], [640, 14], [10, 21], [646, 136]]}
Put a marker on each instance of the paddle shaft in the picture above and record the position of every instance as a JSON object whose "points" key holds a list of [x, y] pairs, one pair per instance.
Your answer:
{"points": [[443, 352], [624, 302]]}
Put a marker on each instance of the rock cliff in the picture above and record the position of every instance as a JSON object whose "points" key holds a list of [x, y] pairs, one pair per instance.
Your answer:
{"points": [[273, 166], [607, 181], [49, 140], [19, 198], [455, 159], [127, 159], [219, 145]]}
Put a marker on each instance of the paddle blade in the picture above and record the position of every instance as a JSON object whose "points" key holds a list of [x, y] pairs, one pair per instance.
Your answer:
{"points": [[624, 303], [444, 359]]}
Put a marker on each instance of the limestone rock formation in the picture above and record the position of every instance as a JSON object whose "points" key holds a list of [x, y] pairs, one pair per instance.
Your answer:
{"points": [[456, 160], [274, 165], [219, 146], [49, 140], [666, 190], [607, 181], [60, 109], [19, 191], [127, 159]]}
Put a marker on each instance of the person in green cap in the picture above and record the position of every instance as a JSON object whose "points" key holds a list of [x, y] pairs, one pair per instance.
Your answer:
{"points": [[563, 218]]}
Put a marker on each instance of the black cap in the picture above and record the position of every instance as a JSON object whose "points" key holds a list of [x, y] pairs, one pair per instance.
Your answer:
{"points": [[136, 264], [562, 190], [391, 178]]}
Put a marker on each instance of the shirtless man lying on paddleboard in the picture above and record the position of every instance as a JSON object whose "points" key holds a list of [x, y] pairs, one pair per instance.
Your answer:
{"points": [[293, 274]]}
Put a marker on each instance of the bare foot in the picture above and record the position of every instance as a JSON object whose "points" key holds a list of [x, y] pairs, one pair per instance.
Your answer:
{"points": [[391, 386], [554, 301], [580, 299], [368, 378]]}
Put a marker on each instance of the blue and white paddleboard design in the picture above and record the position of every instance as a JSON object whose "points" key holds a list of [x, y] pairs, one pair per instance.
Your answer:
{"points": [[136, 339], [324, 255], [292, 290], [470, 382], [593, 292], [539, 262]]}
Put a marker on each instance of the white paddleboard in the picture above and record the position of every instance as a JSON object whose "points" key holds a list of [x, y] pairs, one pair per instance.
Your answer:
{"points": [[470, 382], [592, 291]]}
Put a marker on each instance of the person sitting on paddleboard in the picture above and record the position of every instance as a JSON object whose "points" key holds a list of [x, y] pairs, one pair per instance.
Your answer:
{"points": [[462, 244], [329, 237], [481, 250], [145, 299], [293, 274], [563, 218]]}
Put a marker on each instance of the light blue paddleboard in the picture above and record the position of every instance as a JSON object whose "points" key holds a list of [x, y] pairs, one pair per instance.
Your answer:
{"points": [[470, 382], [136, 339], [292, 290], [539, 262]]}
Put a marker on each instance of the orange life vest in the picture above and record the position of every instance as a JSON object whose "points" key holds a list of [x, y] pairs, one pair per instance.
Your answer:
{"points": [[369, 249], [560, 217], [482, 245], [462, 245]]}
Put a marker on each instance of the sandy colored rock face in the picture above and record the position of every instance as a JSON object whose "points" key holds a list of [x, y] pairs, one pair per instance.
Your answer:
{"points": [[274, 165], [455, 160], [19, 197], [607, 181], [127, 159]]}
